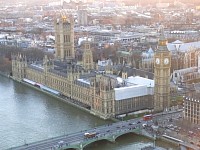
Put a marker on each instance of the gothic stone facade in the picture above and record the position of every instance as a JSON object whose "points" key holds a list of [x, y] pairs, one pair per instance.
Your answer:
{"points": [[92, 89]]}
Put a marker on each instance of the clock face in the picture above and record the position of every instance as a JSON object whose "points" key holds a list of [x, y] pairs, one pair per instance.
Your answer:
{"points": [[157, 61], [166, 61]]}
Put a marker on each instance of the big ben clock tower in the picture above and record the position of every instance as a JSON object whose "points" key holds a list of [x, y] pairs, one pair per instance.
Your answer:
{"points": [[162, 64]]}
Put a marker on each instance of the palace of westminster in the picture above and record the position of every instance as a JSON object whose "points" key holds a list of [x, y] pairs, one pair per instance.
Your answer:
{"points": [[105, 90]]}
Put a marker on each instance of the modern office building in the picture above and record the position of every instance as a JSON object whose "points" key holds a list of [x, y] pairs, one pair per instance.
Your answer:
{"points": [[82, 17]]}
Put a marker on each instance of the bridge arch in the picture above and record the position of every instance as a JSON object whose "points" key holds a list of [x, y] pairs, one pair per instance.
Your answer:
{"points": [[69, 148], [97, 140], [108, 137], [81, 146], [72, 148], [121, 134]]}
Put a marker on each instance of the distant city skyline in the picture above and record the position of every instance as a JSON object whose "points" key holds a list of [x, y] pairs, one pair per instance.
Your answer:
{"points": [[126, 1]]}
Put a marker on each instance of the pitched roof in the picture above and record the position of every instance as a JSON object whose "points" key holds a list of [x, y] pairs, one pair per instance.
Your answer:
{"points": [[184, 47]]}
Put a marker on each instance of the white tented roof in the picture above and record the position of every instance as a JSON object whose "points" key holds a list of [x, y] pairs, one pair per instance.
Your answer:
{"points": [[134, 87], [129, 92], [140, 81]]}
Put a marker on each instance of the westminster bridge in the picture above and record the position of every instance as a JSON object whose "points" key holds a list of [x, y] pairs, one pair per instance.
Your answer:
{"points": [[78, 141]]}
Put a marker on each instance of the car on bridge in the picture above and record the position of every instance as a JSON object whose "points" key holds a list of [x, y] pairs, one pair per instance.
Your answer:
{"points": [[144, 125], [59, 145], [90, 135], [132, 123]]}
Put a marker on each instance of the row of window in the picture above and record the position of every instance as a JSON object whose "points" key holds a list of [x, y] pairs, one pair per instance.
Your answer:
{"points": [[66, 38], [131, 104]]}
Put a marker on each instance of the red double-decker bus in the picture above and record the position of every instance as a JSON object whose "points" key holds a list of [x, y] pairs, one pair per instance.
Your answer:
{"points": [[147, 117]]}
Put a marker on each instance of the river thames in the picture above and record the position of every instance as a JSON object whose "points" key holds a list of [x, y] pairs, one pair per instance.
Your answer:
{"points": [[28, 115]]}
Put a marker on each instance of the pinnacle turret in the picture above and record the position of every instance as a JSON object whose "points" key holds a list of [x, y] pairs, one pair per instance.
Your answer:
{"points": [[162, 43]]}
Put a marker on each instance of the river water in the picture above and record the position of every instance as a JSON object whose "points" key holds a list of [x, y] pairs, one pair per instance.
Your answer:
{"points": [[28, 115]]}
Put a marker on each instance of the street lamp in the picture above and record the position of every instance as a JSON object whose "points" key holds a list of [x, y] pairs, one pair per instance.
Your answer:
{"points": [[25, 142], [154, 140]]}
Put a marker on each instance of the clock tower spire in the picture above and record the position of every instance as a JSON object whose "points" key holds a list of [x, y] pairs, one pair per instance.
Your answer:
{"points": [[162, 64]]}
